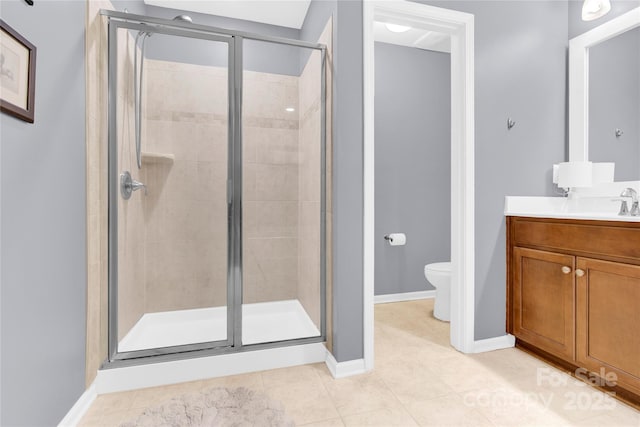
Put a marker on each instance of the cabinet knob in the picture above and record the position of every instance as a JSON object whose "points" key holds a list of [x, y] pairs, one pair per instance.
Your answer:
{"points": [[566, 270], [579, 272]]}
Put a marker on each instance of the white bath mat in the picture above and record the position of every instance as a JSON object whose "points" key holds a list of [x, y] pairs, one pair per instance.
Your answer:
{"points": [[220, 406]]}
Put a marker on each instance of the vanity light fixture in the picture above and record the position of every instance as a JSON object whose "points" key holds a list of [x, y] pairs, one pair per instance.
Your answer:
{"points": [[289, 109], [594, 9], [396, 28]]}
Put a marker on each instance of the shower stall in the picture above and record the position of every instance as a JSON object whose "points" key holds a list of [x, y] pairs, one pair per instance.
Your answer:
{"points": [[217, 190]]}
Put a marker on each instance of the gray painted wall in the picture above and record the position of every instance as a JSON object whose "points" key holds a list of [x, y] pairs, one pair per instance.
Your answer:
{"points": [[520, 72], [43, 223], [614, 102], [520, 58], [347, 169], [264, 57], [413, 164], [348, 183]]}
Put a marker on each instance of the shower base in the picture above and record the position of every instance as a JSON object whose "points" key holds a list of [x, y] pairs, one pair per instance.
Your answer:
{"points": [[262, 322]]}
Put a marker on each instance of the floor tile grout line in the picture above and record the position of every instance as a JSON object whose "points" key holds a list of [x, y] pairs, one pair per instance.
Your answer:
{"points": [[477, 410], [331, 399], [403, 405]]}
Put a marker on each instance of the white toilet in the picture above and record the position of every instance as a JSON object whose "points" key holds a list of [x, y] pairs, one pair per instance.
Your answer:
{"points": [[439, 275]]}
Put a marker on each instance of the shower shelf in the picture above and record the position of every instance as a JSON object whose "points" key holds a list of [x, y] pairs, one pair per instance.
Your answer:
{"points": [[155, 158]]}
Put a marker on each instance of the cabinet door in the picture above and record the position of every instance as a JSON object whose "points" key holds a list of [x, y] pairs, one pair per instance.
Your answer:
{"points": [[543, 300], [608, 320]]}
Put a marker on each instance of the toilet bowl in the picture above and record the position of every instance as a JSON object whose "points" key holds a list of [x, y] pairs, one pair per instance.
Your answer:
{"points": [[439, 275]]}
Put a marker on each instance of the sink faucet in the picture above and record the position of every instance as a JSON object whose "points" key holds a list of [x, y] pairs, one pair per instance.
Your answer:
{"points": [[635, 208]]}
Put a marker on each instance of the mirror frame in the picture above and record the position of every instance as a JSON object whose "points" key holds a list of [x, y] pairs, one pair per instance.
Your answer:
{"points": [[579, 78]]}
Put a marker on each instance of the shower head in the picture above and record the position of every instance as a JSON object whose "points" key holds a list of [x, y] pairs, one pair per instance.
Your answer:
{"points": [[184, 18]]}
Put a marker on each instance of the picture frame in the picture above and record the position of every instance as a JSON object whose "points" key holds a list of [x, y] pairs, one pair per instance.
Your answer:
{"points": [[17, 74]]}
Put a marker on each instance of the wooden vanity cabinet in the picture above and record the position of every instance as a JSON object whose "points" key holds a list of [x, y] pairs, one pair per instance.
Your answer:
{"points": [[573, 295], [544, 300], [607, 319]]}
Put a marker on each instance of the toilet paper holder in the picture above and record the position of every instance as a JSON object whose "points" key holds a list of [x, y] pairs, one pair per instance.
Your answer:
{"points": [[396, 239]]}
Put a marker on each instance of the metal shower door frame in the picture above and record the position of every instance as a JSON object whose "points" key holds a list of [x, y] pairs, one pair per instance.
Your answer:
{"points": [[113, 354], [234, 40]]}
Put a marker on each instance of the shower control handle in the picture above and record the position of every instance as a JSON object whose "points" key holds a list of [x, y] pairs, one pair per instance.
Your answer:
{"points": [[136, 185], [128, 185]]}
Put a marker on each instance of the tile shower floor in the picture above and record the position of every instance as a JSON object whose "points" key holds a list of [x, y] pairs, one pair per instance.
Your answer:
{"points": [[418, 380]]}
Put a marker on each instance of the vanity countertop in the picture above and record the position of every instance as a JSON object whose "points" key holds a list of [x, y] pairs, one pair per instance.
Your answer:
{"points": [[588, 208]]}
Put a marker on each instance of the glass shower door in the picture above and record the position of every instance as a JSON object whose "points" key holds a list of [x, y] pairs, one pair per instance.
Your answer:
{"points": [[282, 192], [169, 175]]}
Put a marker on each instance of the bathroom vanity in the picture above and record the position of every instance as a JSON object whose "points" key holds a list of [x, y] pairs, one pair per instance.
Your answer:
{"points": [[573, 294], [573, 263]]}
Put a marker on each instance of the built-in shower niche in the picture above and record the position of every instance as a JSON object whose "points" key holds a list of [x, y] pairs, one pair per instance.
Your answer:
{"points": [[173, 242]]}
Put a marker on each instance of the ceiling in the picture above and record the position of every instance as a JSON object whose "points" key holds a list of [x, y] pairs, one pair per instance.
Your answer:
{"points": [[291, 14], [415, 37], [285, 13]]}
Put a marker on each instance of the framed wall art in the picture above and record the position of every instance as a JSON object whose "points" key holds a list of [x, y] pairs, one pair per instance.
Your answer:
{"points": [[17, 74]]}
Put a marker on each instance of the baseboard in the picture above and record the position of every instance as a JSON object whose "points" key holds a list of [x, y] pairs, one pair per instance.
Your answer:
{"points": [[497, 343], [80, 408], [165, 373], [404, 296], [345, 369]]}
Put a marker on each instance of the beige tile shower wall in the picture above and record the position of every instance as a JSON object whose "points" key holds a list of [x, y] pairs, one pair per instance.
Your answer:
{"points": [[96, 149], [270, 187], [327, 39], [131, 223], [185, 210], [309, 184], [131, 226], [309, 189], [185, 112]]}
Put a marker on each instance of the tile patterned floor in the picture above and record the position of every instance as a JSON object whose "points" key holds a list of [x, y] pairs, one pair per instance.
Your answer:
{"points": [[419, 380]]}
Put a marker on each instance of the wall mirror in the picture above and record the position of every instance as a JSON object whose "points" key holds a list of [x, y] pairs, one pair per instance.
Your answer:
{"points": [[604, 95]]}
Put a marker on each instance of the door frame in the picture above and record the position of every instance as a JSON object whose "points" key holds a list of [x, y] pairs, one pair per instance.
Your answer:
{"points": [[114, 357], [460, 27]]}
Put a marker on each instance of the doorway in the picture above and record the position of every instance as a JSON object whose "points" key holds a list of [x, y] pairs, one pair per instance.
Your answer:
{"points": [[413, 161], [459, 26]]}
